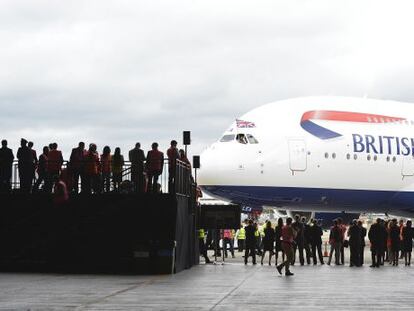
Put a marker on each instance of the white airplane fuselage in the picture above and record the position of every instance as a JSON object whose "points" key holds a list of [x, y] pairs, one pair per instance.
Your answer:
{"points": [[317, 153]]}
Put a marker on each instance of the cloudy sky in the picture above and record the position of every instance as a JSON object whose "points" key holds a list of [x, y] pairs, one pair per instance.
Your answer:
{"points": [[117, 72]]}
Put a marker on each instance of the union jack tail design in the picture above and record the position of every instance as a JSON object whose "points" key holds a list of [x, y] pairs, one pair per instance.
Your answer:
{"points": [[244, 124], [323, 133]]}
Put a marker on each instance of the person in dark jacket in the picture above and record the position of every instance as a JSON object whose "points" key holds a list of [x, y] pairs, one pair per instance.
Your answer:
{"points": [[77, 163], [363, 233], [376, 238], [278, 240], [25, 157], [6, 165], [394, 236], [268, 241], [42, 170], [407, 242], [354, 234], [137, 158], [316, 240], [250, 242], [335, 240], [307, 240], [299, 240]]}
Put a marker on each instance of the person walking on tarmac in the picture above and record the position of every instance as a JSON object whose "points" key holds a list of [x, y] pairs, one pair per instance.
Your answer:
{"points": [[154, 167], [76, 163], [278, 240], [25, 157], [250, 242], [173, 156], [316, 240], [241, 239], [288, 237], [137, 158], [268, 241], [6, 167], [202, 245]]}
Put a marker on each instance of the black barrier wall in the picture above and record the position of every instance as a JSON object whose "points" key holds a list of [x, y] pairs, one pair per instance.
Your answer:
{"points": [[107, 233]]}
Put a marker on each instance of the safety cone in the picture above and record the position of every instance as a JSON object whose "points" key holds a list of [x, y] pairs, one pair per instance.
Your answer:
{"points": [[325, 253]]}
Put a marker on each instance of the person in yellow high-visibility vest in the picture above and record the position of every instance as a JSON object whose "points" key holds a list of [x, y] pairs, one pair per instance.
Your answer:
{"points": [[202, 245], [241, 238]]}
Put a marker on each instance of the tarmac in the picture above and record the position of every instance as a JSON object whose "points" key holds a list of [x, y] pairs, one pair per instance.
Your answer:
{"points": [[231, 286]]}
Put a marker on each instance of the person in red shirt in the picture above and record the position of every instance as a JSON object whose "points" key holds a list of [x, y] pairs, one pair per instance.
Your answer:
{"points": [[106, 169], [91, 170], [154, 167], [288, 237], [173, 155], [54, 164]]}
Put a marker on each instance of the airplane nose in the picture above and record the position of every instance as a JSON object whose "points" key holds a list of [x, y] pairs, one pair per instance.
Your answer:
{"points": [[207, 170]]}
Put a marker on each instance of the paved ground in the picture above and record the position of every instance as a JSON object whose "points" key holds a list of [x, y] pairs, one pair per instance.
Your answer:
{"points": [[232, 286]]}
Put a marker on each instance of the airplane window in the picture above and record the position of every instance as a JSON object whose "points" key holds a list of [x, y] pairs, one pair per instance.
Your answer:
{"points": [[368, 157], [355, 157], [241, 138], [388, 158], [394, 159], [227, 138], [252, 139], [348, 156], [375, 158], [333, 155], [326, 155]]}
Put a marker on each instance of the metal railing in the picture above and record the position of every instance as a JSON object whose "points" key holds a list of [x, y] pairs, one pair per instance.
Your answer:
{"points": [[182, 184]]}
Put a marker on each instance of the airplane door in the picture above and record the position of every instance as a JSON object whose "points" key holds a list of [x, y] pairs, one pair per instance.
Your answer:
{"points": [[297, 155], [408, 166]]}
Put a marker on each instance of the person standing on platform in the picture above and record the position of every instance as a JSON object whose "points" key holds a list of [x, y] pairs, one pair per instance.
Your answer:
{"points": [[268, 241], [173, 156], [227, 239], [354, 234], [25, 157], [250, 242], [241, 238], [77, 165], [117, 166], [154, 167], [202, 245], [42, 170], [34, 164], [278, 240], [183, 158], [106, 169], [288, 238], [407, 241], [299, 240], [6, 167], [137, 159], [92, 182], [54, 164], [363, 232], [316, 241]]}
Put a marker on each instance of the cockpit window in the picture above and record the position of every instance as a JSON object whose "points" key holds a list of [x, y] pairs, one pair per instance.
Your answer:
{"points": [[227, 138], [252, 139], [241, 138]]}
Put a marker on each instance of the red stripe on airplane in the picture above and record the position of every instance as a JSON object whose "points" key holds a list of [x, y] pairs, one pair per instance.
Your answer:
{"points": [[348, 116]]}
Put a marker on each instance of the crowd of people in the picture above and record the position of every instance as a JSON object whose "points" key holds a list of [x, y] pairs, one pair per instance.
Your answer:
{"points": [[389, 241], [93, 172]]}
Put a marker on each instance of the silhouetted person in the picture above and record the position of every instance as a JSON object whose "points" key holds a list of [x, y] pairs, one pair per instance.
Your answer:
{"points": [[54, 163], [335, 240], [34, 164], [316, 241], [299, 240], [342, 226], [306, 240], [117, 166], [363, 234], [77, 164], [268, 241], [173, 155], [42, 170], [395, 241], [407, 241], [278, 240], [137, 158], [288, 238], [60, 191], [376, 236], [6, 167], [154, 167], [25, 157], [250, 242], [106, 168], [354, 233], [202, 245], [92, 181]]}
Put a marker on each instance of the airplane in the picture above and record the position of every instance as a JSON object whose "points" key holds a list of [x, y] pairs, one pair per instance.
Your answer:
{"points": [[319, 154]]}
